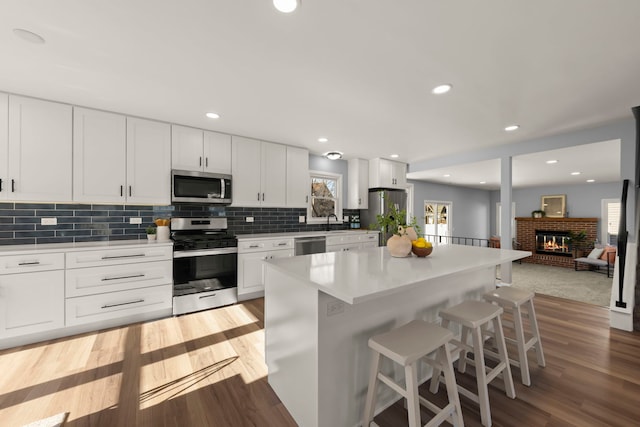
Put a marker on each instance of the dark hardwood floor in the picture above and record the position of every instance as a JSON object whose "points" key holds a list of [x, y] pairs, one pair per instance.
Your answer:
{"points": [[207, 369]]}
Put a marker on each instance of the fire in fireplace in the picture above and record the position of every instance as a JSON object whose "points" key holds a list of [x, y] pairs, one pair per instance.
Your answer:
{"points": [[553, 242]]}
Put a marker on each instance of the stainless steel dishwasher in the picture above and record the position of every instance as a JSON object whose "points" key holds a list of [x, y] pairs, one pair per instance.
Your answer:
{"points": [[309, 245]]}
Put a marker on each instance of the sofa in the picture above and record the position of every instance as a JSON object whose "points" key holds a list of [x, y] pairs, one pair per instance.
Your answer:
{"points": [[600, 257]]}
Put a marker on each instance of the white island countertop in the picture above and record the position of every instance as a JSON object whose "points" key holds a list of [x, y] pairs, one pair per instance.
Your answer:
{"points": [[358, 276]]}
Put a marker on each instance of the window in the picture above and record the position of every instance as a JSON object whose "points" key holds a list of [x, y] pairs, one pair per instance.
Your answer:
{"points": [[325, 197]]}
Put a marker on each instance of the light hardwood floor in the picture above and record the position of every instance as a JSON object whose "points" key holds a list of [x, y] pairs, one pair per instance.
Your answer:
{"points": [[207, 369]]}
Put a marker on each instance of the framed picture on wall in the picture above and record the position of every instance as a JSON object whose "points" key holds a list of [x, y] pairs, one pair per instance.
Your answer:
{"points": [[554, 206]]}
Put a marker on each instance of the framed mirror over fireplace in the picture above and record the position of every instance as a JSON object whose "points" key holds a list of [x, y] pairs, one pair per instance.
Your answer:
{"points": [[554, 206]]}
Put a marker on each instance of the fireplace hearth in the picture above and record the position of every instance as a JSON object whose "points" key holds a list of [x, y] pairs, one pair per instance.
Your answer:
{"points": [[553, 242]]}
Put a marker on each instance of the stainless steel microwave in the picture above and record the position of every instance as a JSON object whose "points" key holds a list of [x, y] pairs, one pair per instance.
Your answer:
{"points": [[200, 187]]}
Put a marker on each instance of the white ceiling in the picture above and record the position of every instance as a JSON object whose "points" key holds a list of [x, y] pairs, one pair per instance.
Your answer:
{"points": [[599, 162], [357, 72]]}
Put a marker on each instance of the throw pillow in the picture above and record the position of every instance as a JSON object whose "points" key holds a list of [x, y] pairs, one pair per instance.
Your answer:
{"points": [[595, 253], [606, 254]]}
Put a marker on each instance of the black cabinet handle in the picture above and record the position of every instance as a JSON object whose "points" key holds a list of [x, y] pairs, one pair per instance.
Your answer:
{"points": [[200, 160], [129, 191], [0, 184], [121, 191], [206, 162], [13, 185]]}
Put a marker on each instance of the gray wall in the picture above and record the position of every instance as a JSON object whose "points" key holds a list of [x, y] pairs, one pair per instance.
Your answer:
{"points": [[470, 208], [583, 201]]}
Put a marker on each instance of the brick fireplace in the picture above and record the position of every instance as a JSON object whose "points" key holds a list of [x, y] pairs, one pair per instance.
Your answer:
{"points": [[526, 235]]}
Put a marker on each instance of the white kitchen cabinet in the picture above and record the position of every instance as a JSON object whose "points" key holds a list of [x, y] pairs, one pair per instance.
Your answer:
{"points": [[259, 173], [251, 254], [31, 294], [36, 157], [99, 153], [114, 284], [120, 160], [298, 181], [200, 151], [385, 173], [148, 162], [358, 178], [350, 242]]}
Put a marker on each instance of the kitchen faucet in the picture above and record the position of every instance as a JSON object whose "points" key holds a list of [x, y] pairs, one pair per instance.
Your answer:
{"points": [[328, 217]]}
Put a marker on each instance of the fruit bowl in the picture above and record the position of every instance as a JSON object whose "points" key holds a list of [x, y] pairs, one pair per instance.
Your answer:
{"points": [[421, 252]]}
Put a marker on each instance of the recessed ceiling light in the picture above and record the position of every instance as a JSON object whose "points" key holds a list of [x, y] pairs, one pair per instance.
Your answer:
{"points": [[28, 36], [575, 173], [446, 175], [591, 180], [552, 162], [333, 155], [511, 128], [483, 182], [323, 139], [439, 90], [213, 115], [394, 156], [286, 6]]}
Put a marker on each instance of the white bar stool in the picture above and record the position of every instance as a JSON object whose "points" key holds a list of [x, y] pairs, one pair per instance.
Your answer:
{"points": [[475, 317], [511, 300], [406, 346]]}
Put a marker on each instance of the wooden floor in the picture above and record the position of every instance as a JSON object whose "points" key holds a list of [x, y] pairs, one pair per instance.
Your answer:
{"points": [[207, 369]]}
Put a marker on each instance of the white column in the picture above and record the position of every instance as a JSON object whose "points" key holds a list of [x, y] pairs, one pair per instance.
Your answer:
{"points": [[505, 217]]}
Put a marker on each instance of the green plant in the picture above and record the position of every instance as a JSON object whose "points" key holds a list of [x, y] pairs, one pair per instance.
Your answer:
{"points": [[150, 230], [578, 239], [394, 219]]}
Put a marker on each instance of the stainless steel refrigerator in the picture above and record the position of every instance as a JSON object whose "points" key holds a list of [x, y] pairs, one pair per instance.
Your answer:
{"points": [[379, 202]]}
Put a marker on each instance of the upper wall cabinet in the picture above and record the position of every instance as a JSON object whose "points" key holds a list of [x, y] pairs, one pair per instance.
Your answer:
{"points": [[259, 173], [99, 153], [36, 156], [198, 150], [120, 160], [358, 181], [148, 162], [385, 173], [298, 184]]}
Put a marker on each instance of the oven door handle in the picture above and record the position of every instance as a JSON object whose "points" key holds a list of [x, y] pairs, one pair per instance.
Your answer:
{"points": [[205, 252]]}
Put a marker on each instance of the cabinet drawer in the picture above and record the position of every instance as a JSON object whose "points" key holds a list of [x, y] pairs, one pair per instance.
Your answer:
{"points": [[11, 264], [369, 237], [96, 280], [96, 308], [118, 256], [264, 245]]}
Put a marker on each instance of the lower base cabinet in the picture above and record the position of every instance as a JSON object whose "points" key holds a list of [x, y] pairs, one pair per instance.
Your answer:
{"points": [[31, 303], [47, 295]]}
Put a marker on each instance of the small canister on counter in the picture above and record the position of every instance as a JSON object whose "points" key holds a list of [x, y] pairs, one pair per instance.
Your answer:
{"points": [[355, 221]]}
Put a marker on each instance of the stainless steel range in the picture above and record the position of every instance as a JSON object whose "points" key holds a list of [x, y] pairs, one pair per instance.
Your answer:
{"points": [[205, 260]]}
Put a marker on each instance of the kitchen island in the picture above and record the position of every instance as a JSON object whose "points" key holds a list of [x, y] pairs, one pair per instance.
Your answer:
{"points": [[321, 309]]}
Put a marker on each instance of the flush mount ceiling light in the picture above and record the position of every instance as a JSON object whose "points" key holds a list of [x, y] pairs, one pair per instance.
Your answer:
{"points": [[439, 90], [575, 173], [551, 162], [591, 180], [323, 139], [213, 115], [29, 36], [511, 128], [286, 6], [333, 155]]}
